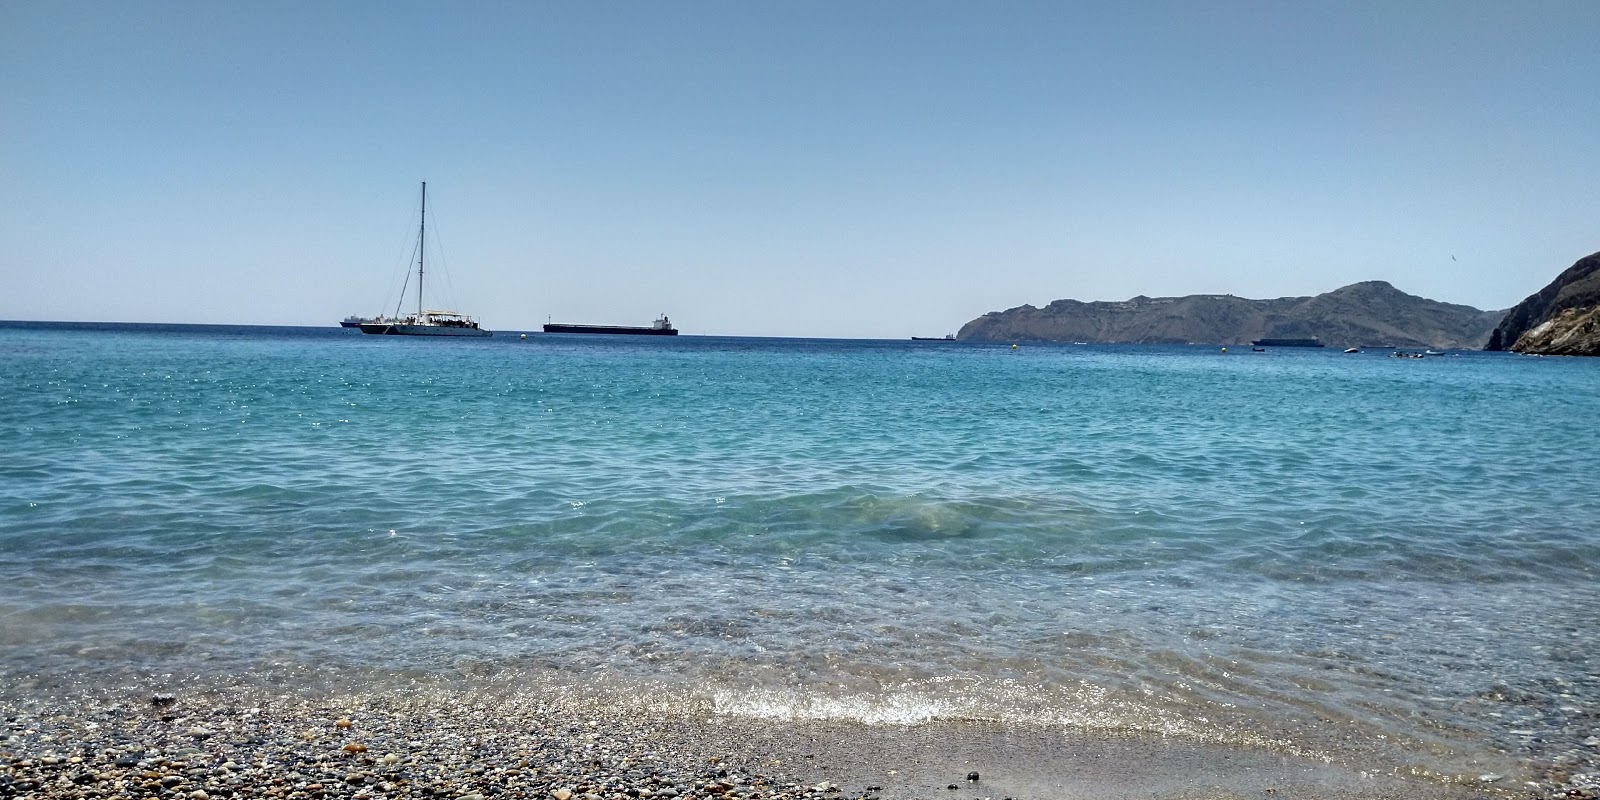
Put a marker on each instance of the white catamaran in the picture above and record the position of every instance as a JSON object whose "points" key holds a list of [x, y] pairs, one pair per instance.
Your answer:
{"points": [[424, 322]]}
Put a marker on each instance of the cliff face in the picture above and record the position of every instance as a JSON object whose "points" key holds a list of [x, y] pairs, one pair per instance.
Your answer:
{"points": [[1576, 290], [1571, 332], [1368, 313]]}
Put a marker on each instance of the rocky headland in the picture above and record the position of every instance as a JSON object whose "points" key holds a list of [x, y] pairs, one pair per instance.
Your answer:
{"points": [[1560, 319], [1361, 314]]}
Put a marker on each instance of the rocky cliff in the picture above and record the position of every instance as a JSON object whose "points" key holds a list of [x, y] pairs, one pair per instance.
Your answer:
{"points": [[1368, 313], [1559, 319]]}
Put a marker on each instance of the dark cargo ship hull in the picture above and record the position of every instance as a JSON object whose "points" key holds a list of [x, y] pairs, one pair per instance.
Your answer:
{"points": [[1287, 343], [622, 329]]}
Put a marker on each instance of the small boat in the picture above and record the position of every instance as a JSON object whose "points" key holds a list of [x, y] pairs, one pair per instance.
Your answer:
{"points": [[661, 327], [1258, 349], [949, 337], [1352, 350], [1432, 353], [425, 322]]}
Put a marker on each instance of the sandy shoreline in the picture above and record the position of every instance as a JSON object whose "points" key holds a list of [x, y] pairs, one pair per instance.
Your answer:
{"points": [[430, 744]]}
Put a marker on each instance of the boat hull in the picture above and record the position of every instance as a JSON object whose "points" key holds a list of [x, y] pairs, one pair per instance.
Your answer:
{"points": [[402, 329], [1287, 343], [348, 324], [625, 330]]}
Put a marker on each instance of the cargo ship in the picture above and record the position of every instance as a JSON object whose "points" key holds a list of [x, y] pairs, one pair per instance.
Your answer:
{"points": [[661, 327], [1287, 343]]}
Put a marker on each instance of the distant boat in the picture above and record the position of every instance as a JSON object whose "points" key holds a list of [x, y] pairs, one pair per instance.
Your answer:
{"points": [[425, 322], [1287, 343], [661, 327], [1352, 350], [1432, 353], [354, 321], [949, 337]]}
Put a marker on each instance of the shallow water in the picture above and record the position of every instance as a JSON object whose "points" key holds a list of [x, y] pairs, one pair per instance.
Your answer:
{"points": [[1347, 555]]}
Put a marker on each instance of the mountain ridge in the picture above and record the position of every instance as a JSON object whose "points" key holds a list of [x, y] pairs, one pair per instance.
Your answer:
{"points": [[1364, 313]]}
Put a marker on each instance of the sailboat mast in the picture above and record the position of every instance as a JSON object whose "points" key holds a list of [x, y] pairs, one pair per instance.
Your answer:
{"points": [[422, 246]]}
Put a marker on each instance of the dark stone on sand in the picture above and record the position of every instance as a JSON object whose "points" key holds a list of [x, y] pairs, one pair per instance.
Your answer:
{"points": [[162, 700], [972, 776]]}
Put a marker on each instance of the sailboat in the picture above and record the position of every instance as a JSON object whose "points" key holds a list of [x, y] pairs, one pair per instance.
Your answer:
{"points": [[425, 322]]}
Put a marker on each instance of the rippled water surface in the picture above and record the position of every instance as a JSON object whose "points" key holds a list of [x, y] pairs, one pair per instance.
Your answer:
{"points": [[1301, 549]]}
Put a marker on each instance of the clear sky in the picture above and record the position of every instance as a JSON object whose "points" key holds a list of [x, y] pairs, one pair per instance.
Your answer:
{"points": [[820, 168]]}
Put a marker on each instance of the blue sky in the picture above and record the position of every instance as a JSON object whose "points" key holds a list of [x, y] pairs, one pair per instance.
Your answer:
{"points": [[866, 169]]}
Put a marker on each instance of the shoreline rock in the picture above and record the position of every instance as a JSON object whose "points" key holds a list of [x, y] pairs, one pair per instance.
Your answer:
{"points": [[1563, 318]]}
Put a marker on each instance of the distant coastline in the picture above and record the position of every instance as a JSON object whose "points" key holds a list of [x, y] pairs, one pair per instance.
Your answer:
{"points": [[1371, 311]]}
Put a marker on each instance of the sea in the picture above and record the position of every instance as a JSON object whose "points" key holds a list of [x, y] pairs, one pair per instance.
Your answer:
{"points": [[1349, 557]]}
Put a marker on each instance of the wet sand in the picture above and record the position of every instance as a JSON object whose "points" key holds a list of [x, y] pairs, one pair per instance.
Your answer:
{"points": [[925, 761]]}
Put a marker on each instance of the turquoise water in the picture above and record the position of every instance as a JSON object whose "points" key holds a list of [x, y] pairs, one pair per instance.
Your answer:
{"points": [[1349, 555]]}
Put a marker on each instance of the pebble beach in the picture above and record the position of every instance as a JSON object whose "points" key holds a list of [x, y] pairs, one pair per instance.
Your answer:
{"points": [[199, 744]]}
